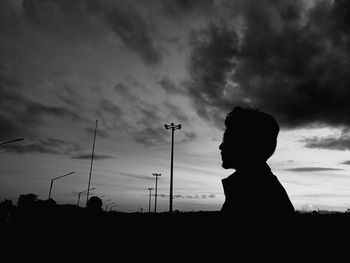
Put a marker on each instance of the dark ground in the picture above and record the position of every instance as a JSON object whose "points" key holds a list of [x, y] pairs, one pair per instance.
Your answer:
{"points": [[60, 229]]}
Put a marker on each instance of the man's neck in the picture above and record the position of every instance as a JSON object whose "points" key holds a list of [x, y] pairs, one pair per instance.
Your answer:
{"points": [[253, 167]]}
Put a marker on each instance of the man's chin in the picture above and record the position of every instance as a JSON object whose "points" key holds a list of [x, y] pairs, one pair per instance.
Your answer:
{"points": [[226, 165]]}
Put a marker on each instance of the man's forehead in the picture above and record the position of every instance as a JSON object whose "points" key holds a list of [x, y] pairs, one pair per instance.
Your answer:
{"points": [[236, 133]]}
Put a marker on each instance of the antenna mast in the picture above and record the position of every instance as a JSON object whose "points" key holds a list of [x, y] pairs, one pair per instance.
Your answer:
{"points": [[92, 159]]}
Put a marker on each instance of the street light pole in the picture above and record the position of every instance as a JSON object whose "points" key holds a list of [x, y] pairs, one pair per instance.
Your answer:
{"points": [[83, 192], [149, 202], [108, 205], [173, 127], [11, 141], [155, 198], [56, 179], [92, 159]]}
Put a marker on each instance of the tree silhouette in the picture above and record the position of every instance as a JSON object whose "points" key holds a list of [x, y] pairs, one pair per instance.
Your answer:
{"points": [[27, 200], [94, 204], [6, 207]]}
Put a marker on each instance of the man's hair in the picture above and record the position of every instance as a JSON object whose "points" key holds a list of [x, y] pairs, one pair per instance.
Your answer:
{"points": [[256, 128]]}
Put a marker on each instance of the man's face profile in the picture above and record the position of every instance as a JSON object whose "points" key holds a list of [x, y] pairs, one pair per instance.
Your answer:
{"points": [[233, 149]]}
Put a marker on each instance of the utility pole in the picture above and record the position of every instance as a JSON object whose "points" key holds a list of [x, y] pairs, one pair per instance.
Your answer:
{"points": [[149, 202], [56, 179], [155, 197], [12, 140], [81, 193], [172, 127], [92, 159]]}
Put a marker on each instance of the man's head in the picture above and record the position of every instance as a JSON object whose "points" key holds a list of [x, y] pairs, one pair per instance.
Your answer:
{"points": [[250, 137]]}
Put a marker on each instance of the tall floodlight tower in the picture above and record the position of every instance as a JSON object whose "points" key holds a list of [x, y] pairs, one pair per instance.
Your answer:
{"points": [[172, 127], [155, 197]]}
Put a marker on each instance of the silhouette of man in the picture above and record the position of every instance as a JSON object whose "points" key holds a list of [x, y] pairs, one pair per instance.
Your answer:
{"points": [[249, 140]]}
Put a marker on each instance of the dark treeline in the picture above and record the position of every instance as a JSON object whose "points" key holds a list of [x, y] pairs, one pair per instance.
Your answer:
{"points": [[32, 220]]}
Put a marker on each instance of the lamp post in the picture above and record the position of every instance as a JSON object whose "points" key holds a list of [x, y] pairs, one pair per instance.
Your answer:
{"points": [[13, 140], [109, 204], [56, 179], [172, 127], [92, 159], [149, 202], [155, 197], [83, 192]]}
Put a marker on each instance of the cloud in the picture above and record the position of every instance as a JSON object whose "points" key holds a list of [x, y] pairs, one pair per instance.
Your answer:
{"points": [[135, 32], [312, 169], [27, 116], [48, 145], [86, 19], [346, 162], [40, 110], [150, 136], [68, 20], [176, 113], [210, 63], [170, 87], [99, 132], [288, 58], [340, 143], [181, 8], [87, 156], [136, 176], [144, 120]]}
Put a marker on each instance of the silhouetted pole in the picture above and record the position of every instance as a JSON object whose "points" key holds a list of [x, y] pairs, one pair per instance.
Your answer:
{"points": [[92, 159], [173, 127], [155, 198], [11, 141], [56, 179], [149, 202], [81, 193], [108, 205]]}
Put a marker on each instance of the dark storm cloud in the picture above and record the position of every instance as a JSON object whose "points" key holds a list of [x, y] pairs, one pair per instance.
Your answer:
{"points": [[87, 156], [341, 142], [135, 32], [346, 162], [150, 136], [19, 114], [288, 58], [170, 86], [73, 20], [211, 61], [39, 110], [176, 113], [147, 128], [48, 145], [179, 8], [312, 169]]}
